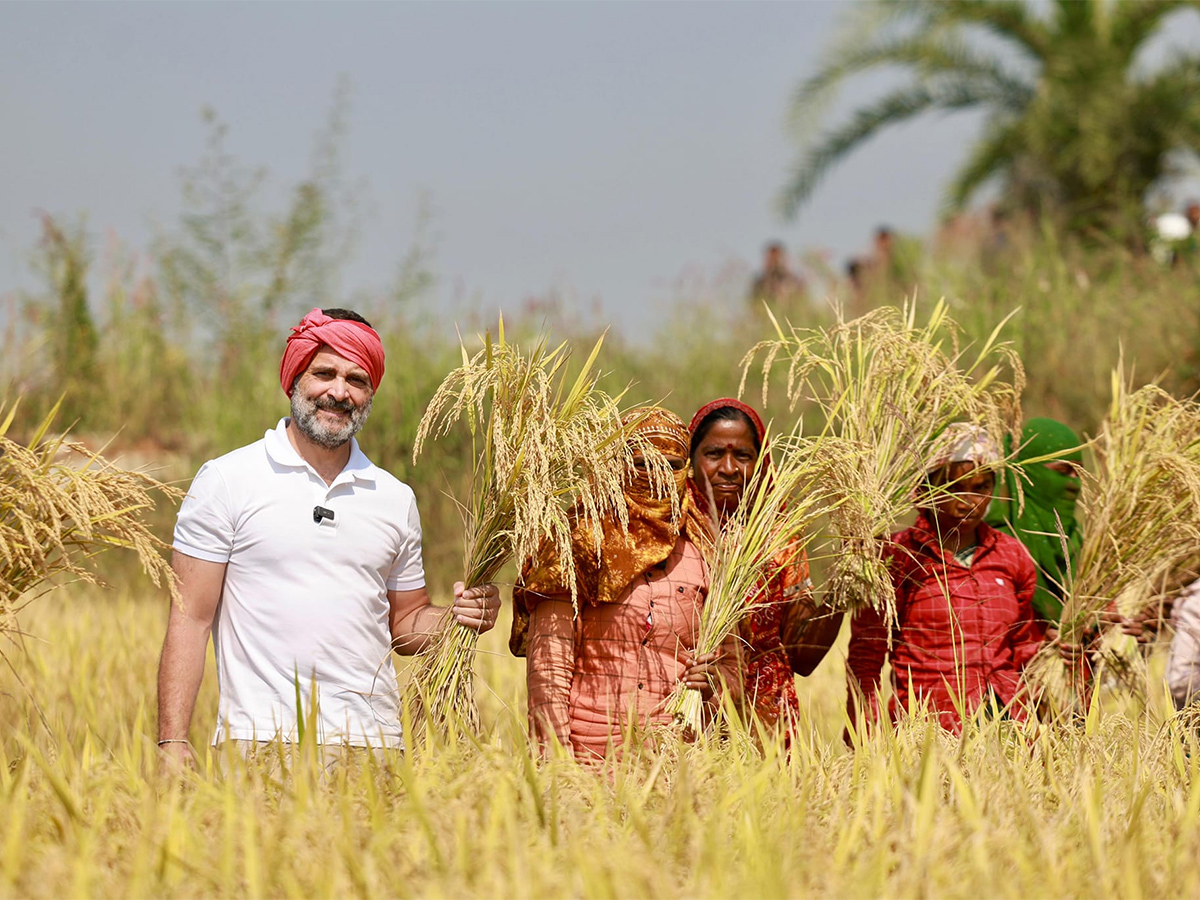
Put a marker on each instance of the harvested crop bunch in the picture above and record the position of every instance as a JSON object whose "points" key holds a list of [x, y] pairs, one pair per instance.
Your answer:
{"points": [[60, 506], [542, 444], [889, 388], [1140, 506], [789, 489]]}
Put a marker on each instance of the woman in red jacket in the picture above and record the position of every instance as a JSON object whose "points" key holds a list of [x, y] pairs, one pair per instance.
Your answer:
{"points": [[965, 627]]}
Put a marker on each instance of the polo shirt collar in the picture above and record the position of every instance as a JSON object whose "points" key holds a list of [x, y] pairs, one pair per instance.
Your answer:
{"points": [[281, 451]]}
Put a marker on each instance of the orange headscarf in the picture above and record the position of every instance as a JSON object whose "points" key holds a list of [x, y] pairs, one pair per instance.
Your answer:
{"points": [[602, 573]]}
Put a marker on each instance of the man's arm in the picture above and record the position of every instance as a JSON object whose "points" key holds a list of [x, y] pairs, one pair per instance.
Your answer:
{"points": [[181, 667], [415, 621]]}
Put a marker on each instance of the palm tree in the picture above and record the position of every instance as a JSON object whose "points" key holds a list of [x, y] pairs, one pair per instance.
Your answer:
{"points": [[1077, 122]]}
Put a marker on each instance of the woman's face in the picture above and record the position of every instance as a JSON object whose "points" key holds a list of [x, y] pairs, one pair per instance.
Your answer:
{"points": [[963, 496], [723, 461], [639, 485], [676, 462], [1070, 470]]}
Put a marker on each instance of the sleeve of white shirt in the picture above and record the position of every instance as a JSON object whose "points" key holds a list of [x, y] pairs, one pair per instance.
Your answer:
{"points": [[204, 529], [408, 571]]}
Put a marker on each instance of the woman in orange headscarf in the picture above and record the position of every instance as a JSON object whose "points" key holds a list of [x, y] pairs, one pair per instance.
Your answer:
{"points": [[639, 600], [784, 634]]}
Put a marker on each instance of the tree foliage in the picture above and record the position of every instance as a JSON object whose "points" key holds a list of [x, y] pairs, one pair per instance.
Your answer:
{"points": [[63, 259], [1079, 121]]}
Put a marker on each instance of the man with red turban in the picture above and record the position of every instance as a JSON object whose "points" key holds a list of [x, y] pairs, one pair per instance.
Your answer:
{"points": [[303, 560]]}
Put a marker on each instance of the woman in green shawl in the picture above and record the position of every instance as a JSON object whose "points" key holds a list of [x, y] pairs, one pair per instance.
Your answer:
{"points": [[1051, 490]]}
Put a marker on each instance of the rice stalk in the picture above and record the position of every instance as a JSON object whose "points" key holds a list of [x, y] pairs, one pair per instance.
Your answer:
{"points": [[543, 444], [787, 492], [1140, 509], [888, 387], [60, 506]]}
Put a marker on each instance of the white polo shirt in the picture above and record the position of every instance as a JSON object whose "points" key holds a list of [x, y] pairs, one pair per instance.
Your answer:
{"points": [[304, 603]]}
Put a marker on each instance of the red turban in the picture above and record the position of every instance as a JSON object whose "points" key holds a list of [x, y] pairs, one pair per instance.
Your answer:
{"points": [[357, 341]]}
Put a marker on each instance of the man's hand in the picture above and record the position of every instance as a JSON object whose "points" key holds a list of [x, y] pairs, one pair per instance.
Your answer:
{"points": [[175, 755], [476, 608]]}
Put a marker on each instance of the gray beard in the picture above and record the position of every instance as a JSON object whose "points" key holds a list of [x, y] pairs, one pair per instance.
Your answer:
{"points": [[304, 414]]}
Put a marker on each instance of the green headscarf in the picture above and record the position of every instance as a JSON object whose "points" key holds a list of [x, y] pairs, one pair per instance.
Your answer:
{"points": [[1046, 492]]}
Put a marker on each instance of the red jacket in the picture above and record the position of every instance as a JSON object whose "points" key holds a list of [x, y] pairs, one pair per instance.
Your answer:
{"points": [[961, 632]]}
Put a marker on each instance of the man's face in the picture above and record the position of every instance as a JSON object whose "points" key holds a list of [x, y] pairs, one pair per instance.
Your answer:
{"points": [[331, 399]]}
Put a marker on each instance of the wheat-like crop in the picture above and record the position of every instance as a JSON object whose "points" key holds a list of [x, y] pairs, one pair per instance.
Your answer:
{"points": [[60, 506], [912, 811], [1140, 508], [543, 444], [890, 388], [790, 488]]}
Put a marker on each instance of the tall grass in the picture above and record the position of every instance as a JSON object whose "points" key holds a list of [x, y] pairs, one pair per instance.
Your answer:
{"points": [[1111, 809]]}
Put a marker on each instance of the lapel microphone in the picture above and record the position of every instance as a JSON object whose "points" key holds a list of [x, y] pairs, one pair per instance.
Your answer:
{"points": [[320, 512]]}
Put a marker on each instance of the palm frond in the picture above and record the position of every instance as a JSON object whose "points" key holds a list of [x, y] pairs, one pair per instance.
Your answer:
{"points": [[991, 156], [1132, 24], [895, 107], [930, 57], [1011, 21]]}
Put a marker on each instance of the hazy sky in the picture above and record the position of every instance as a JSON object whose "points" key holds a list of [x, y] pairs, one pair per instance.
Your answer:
{"points": [[603, 149]]}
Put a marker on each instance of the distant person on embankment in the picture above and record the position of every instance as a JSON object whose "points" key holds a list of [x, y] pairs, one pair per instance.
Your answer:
{"points": [[303, 560], [890, 272], [777, 285]]}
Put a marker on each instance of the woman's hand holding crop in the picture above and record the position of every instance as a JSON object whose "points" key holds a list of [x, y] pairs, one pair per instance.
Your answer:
{"points": [[700, 674], [1071, 652]]}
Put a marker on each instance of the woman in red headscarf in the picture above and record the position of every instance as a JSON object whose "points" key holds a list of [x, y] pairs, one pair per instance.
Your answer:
{"points": [[785, 634], [639, 594]]}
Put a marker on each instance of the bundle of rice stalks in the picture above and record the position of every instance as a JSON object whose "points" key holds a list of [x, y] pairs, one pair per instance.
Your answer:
{"points": [[889, 388], [1140, 508], [60, 506], [542, 444], [788, 491]]}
